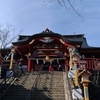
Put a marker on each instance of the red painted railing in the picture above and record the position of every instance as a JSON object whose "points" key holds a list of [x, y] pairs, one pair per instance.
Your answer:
{"points": [[89, 63]]}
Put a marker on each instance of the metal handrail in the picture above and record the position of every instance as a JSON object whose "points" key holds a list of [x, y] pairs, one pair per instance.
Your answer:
{"points": [[29, 96], [6, 80], [69, 87], [8, 76]]}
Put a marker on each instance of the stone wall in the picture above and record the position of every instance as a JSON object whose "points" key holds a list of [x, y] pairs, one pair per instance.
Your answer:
{"points": [[94, 86]]}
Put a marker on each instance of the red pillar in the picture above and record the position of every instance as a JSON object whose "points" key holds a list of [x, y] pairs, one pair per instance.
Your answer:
{"points": [[29, 62], [29, 65]]}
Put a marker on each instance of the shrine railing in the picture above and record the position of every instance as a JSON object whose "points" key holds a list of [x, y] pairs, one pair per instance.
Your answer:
{"points": [[89, 63]]}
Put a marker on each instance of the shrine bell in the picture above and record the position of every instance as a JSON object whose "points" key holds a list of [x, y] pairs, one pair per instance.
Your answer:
{"points": [[47, 58]]}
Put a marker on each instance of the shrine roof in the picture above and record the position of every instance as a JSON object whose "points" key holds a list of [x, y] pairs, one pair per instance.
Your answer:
{"points": [[71, 39]]}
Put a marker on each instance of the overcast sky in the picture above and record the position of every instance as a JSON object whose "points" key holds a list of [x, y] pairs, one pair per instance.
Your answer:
{"points": [[33, 17]]}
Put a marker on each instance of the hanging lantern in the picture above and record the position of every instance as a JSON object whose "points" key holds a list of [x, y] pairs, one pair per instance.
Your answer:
{"points": [[47, 58]]}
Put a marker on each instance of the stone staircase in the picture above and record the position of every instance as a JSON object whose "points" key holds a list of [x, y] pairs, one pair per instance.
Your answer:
{"points": [[50, 86], [21, 87]]}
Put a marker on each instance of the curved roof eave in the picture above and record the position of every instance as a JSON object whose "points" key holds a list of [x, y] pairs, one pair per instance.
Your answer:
{"points": [[85, 45], [43, 34]]}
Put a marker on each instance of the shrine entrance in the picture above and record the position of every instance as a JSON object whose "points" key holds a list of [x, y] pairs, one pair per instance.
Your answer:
{"points": [[44, 49], [37, 64]]}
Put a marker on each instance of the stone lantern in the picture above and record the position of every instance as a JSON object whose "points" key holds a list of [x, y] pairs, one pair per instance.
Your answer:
{"points": [[85, 81], [75, 59]]}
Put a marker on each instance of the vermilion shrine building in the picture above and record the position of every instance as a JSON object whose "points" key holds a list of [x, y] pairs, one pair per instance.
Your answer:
{"points": [[47, 48]]}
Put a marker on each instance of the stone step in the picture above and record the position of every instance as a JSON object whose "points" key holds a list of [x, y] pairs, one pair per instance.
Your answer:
{"points": [[50, 83], [48, 98], [59, 87], [21, 87], [50, 80], [50, 90], [18, 92], [14, 97], [49, 87], [49, 95]]}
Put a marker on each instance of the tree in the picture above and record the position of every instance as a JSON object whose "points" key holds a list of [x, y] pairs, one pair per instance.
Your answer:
{"points": [[7, 35], [64, 3]]}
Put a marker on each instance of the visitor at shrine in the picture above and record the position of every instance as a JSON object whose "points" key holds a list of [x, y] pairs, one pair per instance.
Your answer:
{"points": [[51, 68]]}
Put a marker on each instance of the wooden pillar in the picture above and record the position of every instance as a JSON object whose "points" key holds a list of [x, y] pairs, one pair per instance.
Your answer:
{"points": [[70, 49], [76, 74], [86, 94], [75, 59], [29, 62], [70, 62], [12, 58]]}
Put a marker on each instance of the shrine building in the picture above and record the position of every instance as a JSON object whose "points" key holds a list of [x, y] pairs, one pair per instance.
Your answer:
{"points": [[47, 47]]}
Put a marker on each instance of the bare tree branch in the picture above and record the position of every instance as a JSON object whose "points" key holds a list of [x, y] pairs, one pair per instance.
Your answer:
{"points": [[7, 35], [63, 3], [12, 39], [73, 8]]}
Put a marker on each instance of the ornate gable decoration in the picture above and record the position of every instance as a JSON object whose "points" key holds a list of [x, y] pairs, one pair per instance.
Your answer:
{"points": [[46, 40]]}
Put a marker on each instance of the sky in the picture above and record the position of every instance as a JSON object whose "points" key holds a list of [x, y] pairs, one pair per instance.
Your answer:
{"points": [[34, 16]]}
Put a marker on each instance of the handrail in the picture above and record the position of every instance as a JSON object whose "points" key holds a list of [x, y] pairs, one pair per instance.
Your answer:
{"points": [[89, 63], [6, 80], [8, 76], [29, 96], [67, 82]]}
